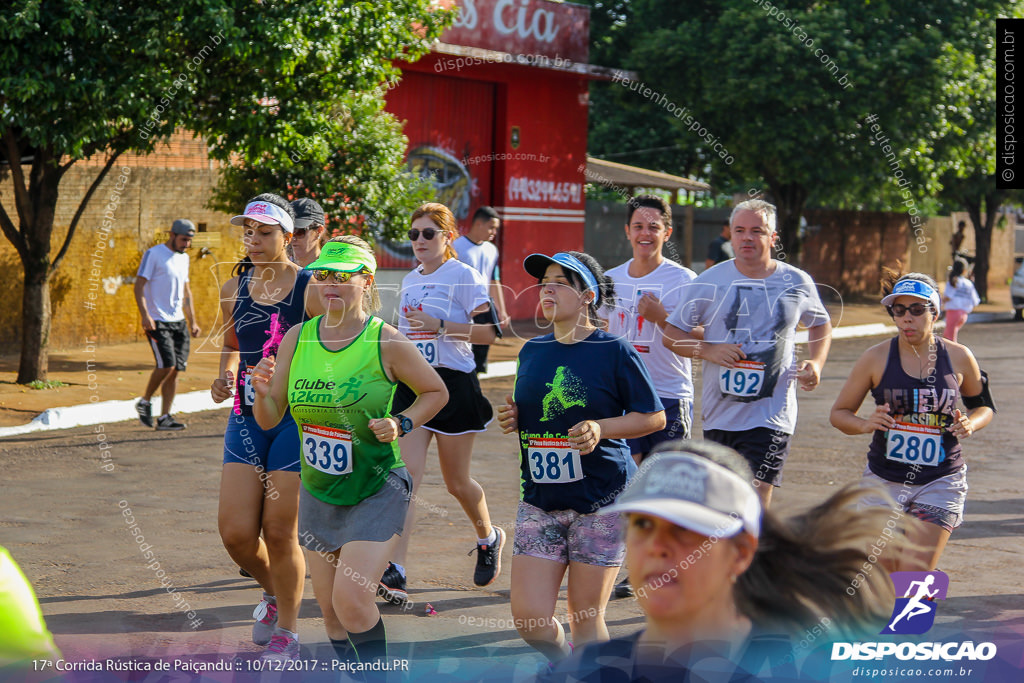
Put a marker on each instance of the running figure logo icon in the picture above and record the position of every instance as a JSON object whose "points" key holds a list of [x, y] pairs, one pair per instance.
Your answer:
{"points": [[914, 613]]}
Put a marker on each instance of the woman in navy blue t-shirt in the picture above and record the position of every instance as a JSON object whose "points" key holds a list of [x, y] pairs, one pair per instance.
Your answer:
{"points": [[579, 394]]}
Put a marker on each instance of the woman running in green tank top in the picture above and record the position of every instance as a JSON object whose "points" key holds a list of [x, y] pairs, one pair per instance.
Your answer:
{"points": [[337, 377]]}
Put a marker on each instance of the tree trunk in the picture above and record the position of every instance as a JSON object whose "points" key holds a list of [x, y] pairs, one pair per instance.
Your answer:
{"points": [[983, 224], [35, 324], [789, 200]]}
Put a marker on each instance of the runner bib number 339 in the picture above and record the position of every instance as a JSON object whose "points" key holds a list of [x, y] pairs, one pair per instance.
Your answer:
{"points": [[914, 444], [554, 461], [743, 380], [327, 449]]}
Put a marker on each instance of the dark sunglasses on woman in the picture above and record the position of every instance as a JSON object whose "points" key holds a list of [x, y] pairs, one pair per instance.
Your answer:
{"points": [[428, 234], [916, 310]]}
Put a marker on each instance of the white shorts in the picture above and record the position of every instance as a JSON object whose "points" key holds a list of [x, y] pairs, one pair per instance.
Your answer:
{"points": [[938, 502]]}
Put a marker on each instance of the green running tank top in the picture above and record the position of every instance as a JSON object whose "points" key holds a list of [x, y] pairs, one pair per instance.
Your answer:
{"points": [[332, 396]]}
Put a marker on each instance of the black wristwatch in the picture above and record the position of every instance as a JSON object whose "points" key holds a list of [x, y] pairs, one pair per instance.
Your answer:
{"points": [[404, 424]]}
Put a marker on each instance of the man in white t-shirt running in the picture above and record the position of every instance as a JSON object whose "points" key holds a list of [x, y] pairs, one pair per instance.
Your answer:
{"points": [[648, 288], [165, 301], [476, 248], [748, 309]]}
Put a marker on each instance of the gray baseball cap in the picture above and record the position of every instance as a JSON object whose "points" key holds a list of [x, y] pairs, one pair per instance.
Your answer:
{"points": [[183, 226], [694, 493]]}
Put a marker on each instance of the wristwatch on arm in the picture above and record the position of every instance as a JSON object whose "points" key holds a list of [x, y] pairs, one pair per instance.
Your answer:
{"points": [[404, 424]]}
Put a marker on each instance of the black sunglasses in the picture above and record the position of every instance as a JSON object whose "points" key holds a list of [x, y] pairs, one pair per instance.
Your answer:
{"points": [[916, 310], [428, 234]]}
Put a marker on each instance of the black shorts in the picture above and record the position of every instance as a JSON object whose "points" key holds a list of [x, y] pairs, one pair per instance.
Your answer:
{"points": [[169, 342], [678, 418], [764, 449], [467, 409]]}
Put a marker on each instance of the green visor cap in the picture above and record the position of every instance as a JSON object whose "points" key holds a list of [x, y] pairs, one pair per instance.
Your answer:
{"points": [[343, 258]]}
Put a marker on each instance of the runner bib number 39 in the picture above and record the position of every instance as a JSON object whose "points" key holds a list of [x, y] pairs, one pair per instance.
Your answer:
{"points": [[914, 444], [249, 394], [744, 380], [426, 344], [554, 461], [327, 449]]}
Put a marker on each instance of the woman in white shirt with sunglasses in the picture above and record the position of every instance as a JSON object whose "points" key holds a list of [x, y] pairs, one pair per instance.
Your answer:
{"points": [[444, 309]]}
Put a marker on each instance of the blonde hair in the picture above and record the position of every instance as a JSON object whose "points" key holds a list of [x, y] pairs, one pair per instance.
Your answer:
{"points": [[371, 296], [443, 218]]}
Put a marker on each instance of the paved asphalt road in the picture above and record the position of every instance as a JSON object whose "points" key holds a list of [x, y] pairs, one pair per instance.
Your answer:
{"points": [[61, 516]]}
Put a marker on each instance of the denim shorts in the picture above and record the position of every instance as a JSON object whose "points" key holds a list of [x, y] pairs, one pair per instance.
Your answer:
{"points": [[267, 449]]}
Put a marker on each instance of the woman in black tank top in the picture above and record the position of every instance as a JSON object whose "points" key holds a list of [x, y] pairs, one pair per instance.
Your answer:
{"points": [[916, 381]]}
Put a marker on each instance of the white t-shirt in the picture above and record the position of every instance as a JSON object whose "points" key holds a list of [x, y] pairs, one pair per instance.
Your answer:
{"points": [[166, 272], [482, 257], [670, 372], [450, 293], [963, 297], [760, 315]]}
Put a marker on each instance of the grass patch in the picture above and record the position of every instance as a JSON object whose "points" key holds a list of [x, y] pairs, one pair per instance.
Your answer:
{"points": [[48, 384]]}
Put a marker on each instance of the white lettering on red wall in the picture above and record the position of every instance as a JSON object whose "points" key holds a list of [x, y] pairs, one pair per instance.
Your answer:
{"points": [[533, 190], [534, 27]]}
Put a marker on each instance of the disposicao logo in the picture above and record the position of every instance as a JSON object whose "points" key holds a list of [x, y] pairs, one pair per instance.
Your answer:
{"points": [[914, 613]]}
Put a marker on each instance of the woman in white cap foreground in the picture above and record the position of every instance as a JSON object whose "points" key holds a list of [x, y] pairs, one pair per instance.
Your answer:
{"points": [[916, 381], [723, 587]]}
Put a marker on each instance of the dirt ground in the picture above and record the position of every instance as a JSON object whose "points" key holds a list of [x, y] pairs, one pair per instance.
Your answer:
{"points": [[62, 518]]}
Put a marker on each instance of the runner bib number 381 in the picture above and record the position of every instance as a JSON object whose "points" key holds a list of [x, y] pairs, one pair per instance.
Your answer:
{"points": [[426, 344], [327, 449], [744, 380], [914, 444], [554, 461]]}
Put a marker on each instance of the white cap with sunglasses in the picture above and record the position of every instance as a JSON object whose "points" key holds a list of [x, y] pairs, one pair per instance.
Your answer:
{"points": [[915, 288], [265, 212]]}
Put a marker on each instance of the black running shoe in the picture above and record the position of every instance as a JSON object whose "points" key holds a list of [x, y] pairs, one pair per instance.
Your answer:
{"points": [[392, 586], [488, 560], [145, 411], [167, 423], [623, 589]]}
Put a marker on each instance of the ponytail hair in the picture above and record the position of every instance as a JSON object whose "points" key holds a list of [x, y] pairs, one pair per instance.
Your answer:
{"points": [[818, 568], [443, 218], [605, 285], [956, 271]]}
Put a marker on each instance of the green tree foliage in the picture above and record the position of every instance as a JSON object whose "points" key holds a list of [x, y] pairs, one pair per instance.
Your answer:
{"points": [[86, 77], [787, 89], [353, 166]]}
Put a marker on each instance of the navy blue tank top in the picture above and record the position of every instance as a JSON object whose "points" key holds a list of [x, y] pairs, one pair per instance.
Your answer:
{"points": [[921, 444], [260, 329]]}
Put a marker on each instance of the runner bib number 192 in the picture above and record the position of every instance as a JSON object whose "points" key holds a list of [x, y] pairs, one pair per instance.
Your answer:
{"points": [[914, 444], [327, 449], [554, 461], [744, 380], [426, 344]]}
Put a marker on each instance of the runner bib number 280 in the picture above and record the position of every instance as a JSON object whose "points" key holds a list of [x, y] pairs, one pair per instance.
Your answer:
{"points": [[745, 379], [327, 449], [914, 444], [554, 461]]}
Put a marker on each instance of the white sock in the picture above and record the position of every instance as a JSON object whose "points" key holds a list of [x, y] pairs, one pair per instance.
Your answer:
{"points": [[490, 540], [165, 415], [143, 401]]}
